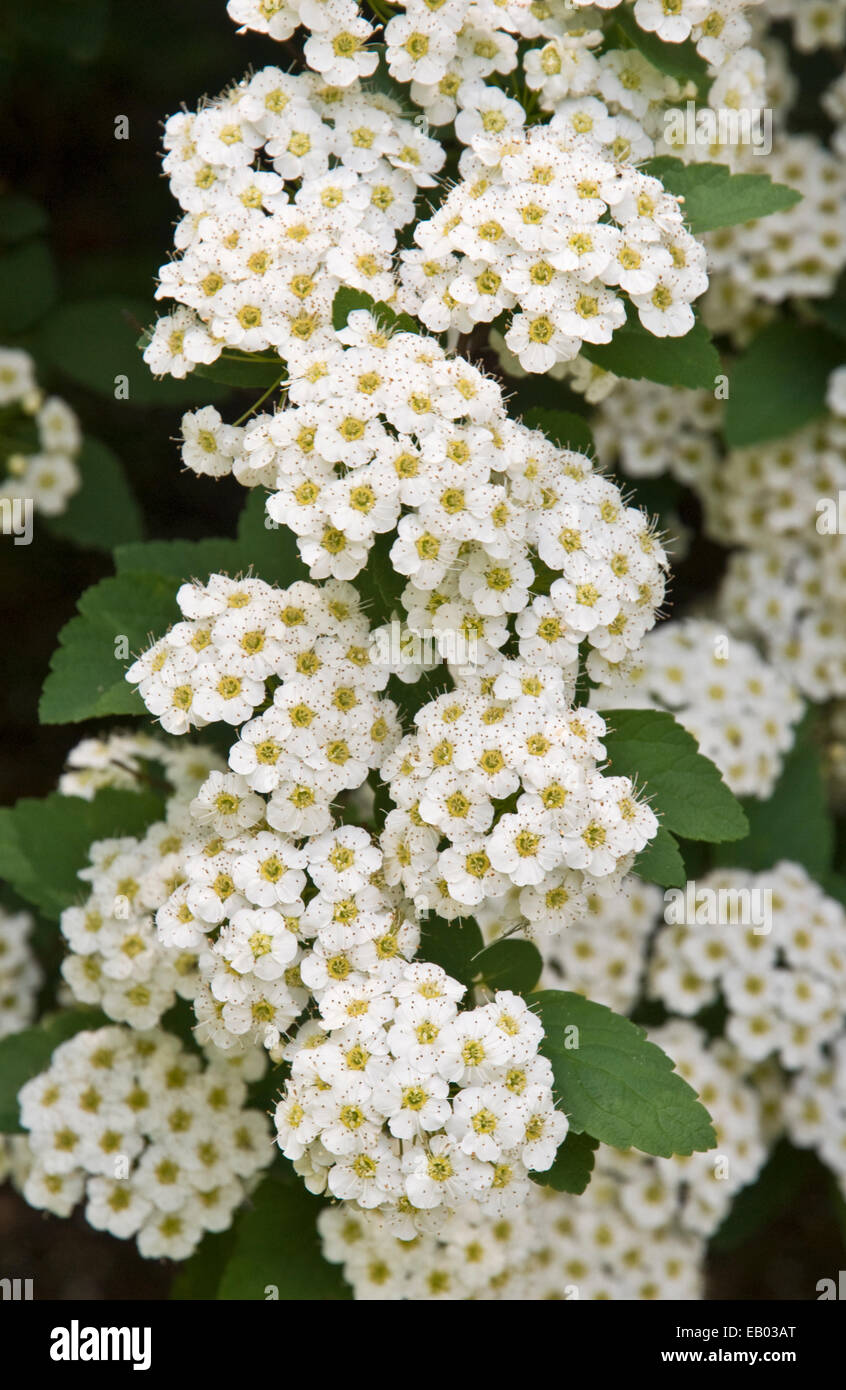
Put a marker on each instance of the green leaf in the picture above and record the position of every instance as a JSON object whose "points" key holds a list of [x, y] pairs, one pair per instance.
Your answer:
{"points": [[198, 1277], [794, 823], [44, 843], [715, 197], [514, 965], [686, 790], [20, 218], [86, 679], [95, 341], [346, 301], [616, 1085], [779, 383], [253, 369], [832, 311], [270, 551], [563, 427], [24, 1055], [276, 1246], [28, 285], [379, 584], [786, 1171], [679, 60], [691, 361], [454, 946], [573, 1166], [269, 548], [104, 512], [661, 861]]}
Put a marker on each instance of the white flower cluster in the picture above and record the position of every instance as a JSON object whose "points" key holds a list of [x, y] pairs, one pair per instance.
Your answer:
{"points": [[789, 594], [771, 945], [717, 27], [561, 1248], [739, 709], [319, 728], [791, 597], [398, 1101], [289, 189], [547, 222], [43, 471], [694, 1191], [115, 959], [796, 253], [647, 429], [510, 781], [158, 1143], [814, 1109], [778, 501], [127, 760], [602, 954], [772, 490], [815, 23], [20, 973], [637, 1232], [394, 435]]}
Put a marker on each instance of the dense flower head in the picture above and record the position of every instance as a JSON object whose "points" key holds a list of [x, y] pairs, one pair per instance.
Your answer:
{"points": [[740, 710], [289, 188], [42, 470], [399, 1100], [814, 1109], [771, 946], [557, 1247], [546, 224], [497, 529], [20, 973], [157, 1141], [507, 778], [603, 952]]}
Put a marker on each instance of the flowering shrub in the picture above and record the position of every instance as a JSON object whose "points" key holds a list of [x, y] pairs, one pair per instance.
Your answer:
{"points": [[369, 933]]}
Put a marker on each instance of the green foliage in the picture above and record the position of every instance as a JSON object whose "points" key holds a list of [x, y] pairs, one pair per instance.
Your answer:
{"points": [[715, 197], [251, 369], [104, 512], [24, 1055], [28, 285], [685, 789], [269, 550], [86, 679], [276, 1245], [794, 823], [20, 218], [679, 60], [691, 361], [661, 861], [832, 311], [563, 427], [346, 301], [198, 1277], [44, 843], [779, 383], [379, 584], [614, 1084], [512, 964], [786, 1171], [573, 1166], [95, 341], [454, 946]]}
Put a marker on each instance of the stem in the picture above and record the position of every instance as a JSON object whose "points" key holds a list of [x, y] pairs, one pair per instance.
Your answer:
{"points": [[262, 398]]}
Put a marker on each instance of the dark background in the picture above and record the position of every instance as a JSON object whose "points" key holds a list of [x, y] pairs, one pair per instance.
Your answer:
{"points": [[68, 68]]}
